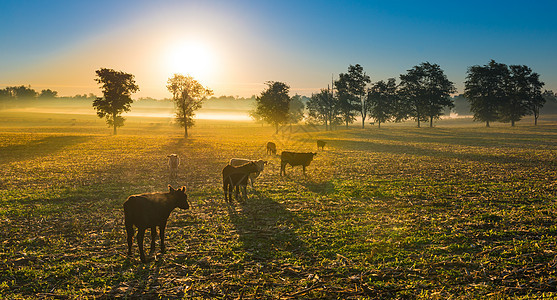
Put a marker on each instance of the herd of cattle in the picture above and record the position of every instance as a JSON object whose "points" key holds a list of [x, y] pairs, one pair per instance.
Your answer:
{"points": [[150, 210]]}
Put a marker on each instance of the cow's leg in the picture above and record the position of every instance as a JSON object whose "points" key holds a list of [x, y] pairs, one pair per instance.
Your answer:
{"points": [[153, 237], [140, 236], [130, 231], [161, 229]]}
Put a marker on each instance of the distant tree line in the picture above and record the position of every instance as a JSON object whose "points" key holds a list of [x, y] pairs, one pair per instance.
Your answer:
{"points": [[423, 94], [493, 92], [23, 92]]}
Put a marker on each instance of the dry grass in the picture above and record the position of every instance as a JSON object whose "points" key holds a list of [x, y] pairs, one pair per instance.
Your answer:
{"points": [[396, 212]]}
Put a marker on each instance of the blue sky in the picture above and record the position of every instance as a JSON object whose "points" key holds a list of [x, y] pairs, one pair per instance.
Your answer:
{"points": [[59, 44]]}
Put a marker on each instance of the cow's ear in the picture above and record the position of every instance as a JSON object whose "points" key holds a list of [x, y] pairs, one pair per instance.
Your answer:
{"points": [[170, 189], [183, 189], [265, 162]]}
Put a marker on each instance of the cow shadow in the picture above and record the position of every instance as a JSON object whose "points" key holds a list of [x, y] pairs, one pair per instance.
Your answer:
{"points": [[145, 283], [38, 148], [267, 229]]}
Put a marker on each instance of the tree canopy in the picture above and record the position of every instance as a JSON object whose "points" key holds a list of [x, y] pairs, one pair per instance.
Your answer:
{"points": [[117, 88], [273, 105], [188, 95], [323, 107], [382, 98], [351, 91], [498, 92], [426, 92]]}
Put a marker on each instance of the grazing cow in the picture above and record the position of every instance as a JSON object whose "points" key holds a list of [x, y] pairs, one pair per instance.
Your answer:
{"points": [[149, 211], [173, 163], [321, 144], [236, 177], [236, 162], [271, 148], [295, 159]]}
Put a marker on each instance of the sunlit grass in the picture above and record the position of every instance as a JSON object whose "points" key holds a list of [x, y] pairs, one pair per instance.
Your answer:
{"points": [[396, 212]]}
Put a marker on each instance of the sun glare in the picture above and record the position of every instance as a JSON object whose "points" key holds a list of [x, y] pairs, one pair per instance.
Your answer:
{"points": [[191, 58]]}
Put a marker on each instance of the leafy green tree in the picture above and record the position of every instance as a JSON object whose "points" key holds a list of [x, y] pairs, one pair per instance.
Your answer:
{"points": [[323, 107], [426, 91], [22, 92], [273, 105], [351, 92], [296, 109], [48, 94], [523, 94], [485, 89], [117, 88], [188, 95], [383, 97]]}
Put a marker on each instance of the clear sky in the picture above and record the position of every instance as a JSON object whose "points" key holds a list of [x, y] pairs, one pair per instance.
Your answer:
{"points": [[233, 47]]}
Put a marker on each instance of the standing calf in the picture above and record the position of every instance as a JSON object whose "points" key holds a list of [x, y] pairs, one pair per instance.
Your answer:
{"points": [[236, 177], [271, 148], [173, 163], [321, 144], [149, 211], [236, 162]]}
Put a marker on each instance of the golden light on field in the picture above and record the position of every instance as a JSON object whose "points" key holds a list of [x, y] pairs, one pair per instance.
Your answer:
{"points": [[191, 57]]}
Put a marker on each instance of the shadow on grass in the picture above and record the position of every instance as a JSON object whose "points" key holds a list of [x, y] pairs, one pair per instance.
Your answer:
{"points": [[38, 148], [267, 230], [144, 285], [484, 138], [412, 150]]}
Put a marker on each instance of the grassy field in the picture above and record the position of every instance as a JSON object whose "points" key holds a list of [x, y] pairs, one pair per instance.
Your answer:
{"points": [[455, 211]]}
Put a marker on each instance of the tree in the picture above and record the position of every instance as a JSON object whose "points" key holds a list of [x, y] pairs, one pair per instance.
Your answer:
{"points": [[485, 89], [382, 98], [351, 93], [426, 90], [323, 107], [188, 95], [48, 94], [523, 94], [274, 103], [296, 109], [117, 88], [22, 92]]}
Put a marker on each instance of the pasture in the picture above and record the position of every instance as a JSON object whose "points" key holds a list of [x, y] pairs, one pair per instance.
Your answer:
{"points": [[455, 211]]}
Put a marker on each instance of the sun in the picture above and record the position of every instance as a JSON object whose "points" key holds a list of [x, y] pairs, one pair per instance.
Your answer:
{"points": [[192, 58]]}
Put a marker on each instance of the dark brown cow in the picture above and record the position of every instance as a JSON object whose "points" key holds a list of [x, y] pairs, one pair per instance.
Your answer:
{"points": [[295, 159], [321, 144], [236, 177], [149, 211], [271, 148]]}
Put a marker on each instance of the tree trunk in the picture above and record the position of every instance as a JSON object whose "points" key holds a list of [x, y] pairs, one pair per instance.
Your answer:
{"points": [[378, 124], [430, 122], [185, 122], [486, 123], [418, 122], [114, 123], [512, 123], [363, 122]]}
